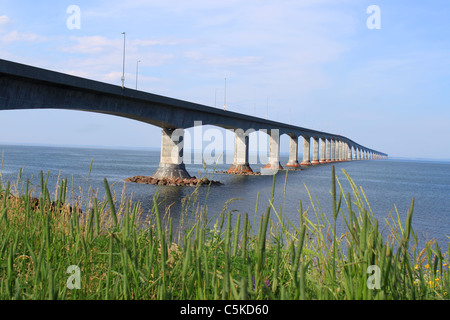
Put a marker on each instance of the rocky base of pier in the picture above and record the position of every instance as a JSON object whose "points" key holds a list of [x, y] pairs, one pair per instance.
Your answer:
{"points": [[241, 173], [185, 182]]}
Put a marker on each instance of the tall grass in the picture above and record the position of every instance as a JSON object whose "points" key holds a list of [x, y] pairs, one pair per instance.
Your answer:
{"points": [[123, 254]]}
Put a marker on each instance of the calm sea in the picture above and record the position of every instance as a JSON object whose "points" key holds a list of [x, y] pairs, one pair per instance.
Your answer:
{"points": [[386, 183]]}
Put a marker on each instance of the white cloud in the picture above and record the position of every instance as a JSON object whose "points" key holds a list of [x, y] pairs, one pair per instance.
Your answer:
{"points": [[4, 20], [17, 36], [91, 44]]}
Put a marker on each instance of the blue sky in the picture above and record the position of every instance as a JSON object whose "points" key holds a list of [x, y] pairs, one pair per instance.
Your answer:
{"points": [[315, 63]]}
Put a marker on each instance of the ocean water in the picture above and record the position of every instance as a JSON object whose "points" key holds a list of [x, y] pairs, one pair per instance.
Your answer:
{"points": [[388, 184]]}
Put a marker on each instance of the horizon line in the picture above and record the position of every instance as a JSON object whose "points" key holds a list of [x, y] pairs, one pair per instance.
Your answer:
{"points": [[84, 146]]}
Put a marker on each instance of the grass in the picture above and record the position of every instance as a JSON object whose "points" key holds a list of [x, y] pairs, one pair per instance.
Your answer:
{"points": [[123, 254]]}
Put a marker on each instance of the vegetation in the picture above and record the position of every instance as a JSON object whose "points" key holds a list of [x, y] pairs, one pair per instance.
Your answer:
{"points": [[120, 253]]}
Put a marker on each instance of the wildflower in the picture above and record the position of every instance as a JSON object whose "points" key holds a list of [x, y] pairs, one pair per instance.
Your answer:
{"points": [[434, 283]]}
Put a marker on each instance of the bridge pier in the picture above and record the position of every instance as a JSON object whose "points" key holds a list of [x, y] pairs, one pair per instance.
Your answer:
{"points": [[341, 151], [293, 153], [345, 150], [171, 163], [328, 158], [274, 151], [306, 161], [323, 153], [333, 151], [241, 146], [315, 159], [338, 151]]}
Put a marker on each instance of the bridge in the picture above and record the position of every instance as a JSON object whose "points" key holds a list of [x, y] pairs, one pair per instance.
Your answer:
{"points": [[28, 87]]}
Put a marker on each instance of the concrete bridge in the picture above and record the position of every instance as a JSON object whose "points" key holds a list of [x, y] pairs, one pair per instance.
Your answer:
{"points": [[27, 87]]}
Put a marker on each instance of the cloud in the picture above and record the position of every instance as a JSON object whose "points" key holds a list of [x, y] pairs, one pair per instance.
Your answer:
{"points": [[96, 44], [91, 45], [7, 37], [17, 36], [4, 20]]}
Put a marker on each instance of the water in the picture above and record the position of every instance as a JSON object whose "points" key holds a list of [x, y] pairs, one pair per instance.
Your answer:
{"points": [[386, 183]]}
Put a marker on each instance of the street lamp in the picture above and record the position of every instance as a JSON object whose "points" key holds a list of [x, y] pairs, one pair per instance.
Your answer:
{"points": [[123, 72], [225, 96], [137, 68]]}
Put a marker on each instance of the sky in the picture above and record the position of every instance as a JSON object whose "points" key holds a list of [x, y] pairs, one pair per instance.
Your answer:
{"points": [[377, 72]]}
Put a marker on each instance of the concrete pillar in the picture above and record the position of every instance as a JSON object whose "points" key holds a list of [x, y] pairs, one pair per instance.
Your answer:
{"points": [[323, 153], [349, 156], [305, 161], [171, 162], [344, 151], [338, 151], [274, 151], [315, 159], [333, 151], [355, 153], [240, 163], [328, 150], [293, 153]]}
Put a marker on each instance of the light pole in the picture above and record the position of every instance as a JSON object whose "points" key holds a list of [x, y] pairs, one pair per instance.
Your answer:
{"points": [[137, 68], [123, 71], [225, 96]]}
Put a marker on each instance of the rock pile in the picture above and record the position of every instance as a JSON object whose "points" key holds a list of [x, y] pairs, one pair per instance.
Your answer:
{"points": [[190, 182], [243, 173]]}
